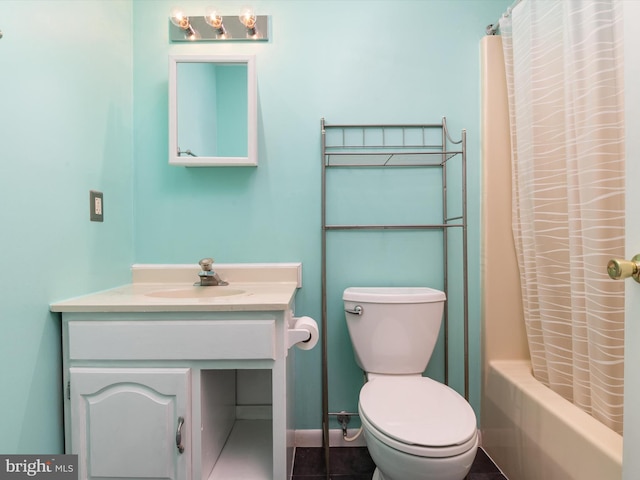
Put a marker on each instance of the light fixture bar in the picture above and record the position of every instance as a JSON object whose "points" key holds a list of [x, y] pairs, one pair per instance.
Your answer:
{"points": [[235, 30]]}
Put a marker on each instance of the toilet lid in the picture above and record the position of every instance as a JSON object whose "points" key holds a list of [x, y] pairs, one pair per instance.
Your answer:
{"points": [[417, 411]]}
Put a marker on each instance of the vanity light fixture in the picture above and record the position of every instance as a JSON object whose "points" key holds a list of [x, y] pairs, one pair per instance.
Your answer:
{"points": [[247, 26], [180, 20]]}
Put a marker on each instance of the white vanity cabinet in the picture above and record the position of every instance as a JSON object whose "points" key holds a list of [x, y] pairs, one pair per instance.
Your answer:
{"points": [[154, 394]]}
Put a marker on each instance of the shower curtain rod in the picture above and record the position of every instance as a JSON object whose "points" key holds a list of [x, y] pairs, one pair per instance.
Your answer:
{"points": [[492, 29]]}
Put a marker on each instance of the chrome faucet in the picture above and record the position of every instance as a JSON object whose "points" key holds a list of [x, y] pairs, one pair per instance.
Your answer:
{"points": [[209, 278]]}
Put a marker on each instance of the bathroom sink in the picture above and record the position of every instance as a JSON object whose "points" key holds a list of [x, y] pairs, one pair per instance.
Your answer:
{"points": [[195, 292]]}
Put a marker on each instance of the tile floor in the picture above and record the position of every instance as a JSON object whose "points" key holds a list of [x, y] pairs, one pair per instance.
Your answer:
{"points": [[354, 463]]}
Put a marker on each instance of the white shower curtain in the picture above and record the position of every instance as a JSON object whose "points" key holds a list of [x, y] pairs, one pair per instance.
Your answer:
{"points": [[564, 75]]}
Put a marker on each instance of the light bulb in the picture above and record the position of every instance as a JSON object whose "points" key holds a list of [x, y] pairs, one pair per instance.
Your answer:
{"points": [[179, 19], [212, 17], [248, 18]]}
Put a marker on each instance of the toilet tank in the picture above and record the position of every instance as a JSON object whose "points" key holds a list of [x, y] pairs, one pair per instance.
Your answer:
{"points": [[396, 329]]}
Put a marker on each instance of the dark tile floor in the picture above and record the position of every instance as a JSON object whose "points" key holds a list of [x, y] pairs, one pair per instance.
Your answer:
{"points": [[354, 463]]}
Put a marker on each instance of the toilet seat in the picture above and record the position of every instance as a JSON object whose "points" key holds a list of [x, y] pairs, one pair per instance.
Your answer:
{"points": [[418, 415], [417, 450]]}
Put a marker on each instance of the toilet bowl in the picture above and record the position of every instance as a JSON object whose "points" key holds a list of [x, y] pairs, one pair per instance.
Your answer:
{"points": [[415, 428]]}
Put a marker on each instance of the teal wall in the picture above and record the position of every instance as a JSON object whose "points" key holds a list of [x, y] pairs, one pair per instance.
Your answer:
{"points": [[347, 61], [65, 128], [83, 105]]}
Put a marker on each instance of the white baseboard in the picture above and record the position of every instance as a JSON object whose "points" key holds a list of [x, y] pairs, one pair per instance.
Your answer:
{"points": [[313, 438]]}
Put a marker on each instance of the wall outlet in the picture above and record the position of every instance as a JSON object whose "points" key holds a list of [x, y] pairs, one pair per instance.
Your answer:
{"points": [[96, 206]]}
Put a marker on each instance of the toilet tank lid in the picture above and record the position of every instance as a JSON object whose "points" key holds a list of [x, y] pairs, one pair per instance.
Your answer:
{"points": [[393, 295]]}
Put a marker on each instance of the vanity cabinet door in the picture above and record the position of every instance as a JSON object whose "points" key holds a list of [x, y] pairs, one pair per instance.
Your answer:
{"points": [[125, 422]]}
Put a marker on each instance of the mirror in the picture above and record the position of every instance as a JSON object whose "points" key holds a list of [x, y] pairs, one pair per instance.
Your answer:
{"points": [[212, 110]]}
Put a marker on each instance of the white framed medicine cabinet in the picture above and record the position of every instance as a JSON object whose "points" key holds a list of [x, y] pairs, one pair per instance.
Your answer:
{"points": [[213, 110]]}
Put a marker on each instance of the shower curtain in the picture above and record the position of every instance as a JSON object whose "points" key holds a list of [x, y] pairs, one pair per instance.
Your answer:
{"points": [[564, 76]]}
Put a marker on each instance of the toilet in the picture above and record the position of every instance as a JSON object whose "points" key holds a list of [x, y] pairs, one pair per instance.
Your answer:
{"points": [[415, 428]]}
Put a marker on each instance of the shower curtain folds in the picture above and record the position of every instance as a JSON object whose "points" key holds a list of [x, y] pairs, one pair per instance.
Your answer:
{"points": [[564, 78]]}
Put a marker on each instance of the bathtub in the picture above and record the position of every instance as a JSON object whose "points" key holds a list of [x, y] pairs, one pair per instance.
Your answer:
{"points": [[532, 433]]}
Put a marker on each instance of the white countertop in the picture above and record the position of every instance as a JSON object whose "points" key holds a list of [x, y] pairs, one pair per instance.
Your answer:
{"points": [[169, 288]]}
